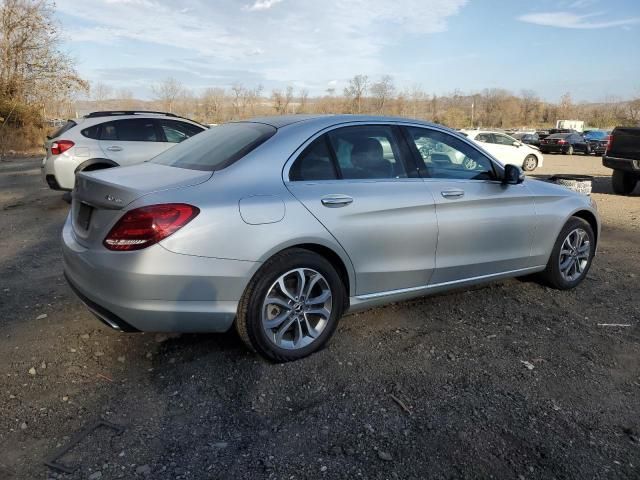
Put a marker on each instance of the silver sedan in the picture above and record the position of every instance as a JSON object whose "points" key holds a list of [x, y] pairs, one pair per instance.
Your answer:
{"points": [[279, 226]]}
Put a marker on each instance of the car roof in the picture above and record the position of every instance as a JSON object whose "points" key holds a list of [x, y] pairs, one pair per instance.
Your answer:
{"points": [[323, 121]]}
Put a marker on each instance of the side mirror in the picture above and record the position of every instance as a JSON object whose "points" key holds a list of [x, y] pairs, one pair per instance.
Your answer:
{"points": [[516, 144], [513, 175]]}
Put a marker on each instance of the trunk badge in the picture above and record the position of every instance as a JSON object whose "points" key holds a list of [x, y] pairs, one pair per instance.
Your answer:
{"points": [[111, 198]]}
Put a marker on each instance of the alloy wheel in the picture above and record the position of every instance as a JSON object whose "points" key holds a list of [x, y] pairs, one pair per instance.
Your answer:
{"points": [[574, 255], [297, 308]]}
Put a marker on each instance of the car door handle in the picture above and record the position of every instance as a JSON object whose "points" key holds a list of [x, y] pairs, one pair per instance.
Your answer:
{"points": [[334, 201], [114, 148], [452, 193]]}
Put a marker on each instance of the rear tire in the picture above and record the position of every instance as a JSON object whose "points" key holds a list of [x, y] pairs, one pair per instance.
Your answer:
{"points": [[530, 163], [571, 256], [273, 293], [570, 150], [623, 183]]}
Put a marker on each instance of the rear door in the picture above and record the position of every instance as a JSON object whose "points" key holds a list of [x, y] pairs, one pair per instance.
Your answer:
{"points": [[485, 227], [131, 141], [358, 182]]}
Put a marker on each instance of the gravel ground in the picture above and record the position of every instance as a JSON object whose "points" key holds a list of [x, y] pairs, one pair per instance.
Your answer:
{"points": [[509, 380]]}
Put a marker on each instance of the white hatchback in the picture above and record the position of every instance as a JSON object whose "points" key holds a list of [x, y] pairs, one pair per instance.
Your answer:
{"points": [[507, 149], [110, 139]]}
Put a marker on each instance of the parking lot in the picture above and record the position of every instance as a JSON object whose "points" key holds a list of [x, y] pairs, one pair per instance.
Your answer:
{"points": [[508, 380]]}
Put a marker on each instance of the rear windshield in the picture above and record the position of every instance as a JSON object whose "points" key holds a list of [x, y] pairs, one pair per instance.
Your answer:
{"points": [[218, 147], [67, 126], [596, 135], [559, 135]]}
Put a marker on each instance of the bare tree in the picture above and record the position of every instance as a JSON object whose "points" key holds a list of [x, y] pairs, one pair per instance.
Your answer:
{"points": [[238, 91], [303, 98], [212, 101], [167, 92], [125, 99], [382, 91], [355, 92], [281, 101], [101, 93], [33, 70], [566, 109], [530, 107]]}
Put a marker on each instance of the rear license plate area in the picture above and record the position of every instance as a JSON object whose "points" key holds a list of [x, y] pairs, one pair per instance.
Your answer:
{"points": [[83, 220]]}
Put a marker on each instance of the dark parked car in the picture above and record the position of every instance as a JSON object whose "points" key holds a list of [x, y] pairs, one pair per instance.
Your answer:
{"points": [[566, 143], [597, 140], [623, 156], [528, 138]]}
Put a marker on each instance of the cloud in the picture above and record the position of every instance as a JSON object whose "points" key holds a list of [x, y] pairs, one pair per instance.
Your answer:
{"points": [[263, 5], [305, 43], [572, 20]]}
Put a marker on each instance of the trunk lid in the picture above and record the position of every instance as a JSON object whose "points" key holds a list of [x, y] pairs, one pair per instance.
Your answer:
{"points": [[100, 196]]}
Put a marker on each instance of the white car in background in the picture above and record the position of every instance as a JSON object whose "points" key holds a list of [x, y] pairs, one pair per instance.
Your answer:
{"points": [[110, 139], [507, 149]]}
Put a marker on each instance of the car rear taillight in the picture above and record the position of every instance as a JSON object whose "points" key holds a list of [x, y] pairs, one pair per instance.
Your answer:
{"points": [[61, 146], [562, 142], [609, 143], [145, 226]]}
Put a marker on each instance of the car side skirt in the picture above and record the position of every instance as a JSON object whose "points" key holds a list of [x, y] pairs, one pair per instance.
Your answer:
{"points": [[370, 300]]}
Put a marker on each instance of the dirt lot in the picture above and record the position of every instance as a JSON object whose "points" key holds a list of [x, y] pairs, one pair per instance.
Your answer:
{"points": [[433, 388]]}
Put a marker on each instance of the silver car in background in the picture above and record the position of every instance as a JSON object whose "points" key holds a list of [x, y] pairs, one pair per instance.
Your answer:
{"points": [[281, 225]]}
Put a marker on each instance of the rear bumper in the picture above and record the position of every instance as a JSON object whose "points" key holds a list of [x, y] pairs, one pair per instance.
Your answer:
{"points": [[554, 148], [59, 172], [628, 165], [154, 289]]}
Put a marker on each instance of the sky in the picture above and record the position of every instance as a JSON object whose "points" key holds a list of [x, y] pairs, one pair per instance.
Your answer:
{"points": [[586, 47]]}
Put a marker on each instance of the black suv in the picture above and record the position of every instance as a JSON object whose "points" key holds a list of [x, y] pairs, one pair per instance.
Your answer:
{"points": [[623, 156]]}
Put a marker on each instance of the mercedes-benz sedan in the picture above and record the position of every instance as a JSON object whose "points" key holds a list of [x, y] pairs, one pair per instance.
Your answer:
{"points": [[281, 225]]}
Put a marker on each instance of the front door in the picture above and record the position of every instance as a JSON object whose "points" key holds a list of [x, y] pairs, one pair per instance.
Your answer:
{"points": [[354, 181], [485, 227]]}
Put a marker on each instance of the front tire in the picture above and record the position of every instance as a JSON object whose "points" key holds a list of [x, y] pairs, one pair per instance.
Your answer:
{"points": [[571, 256], [530, 163], [623, 183], [292, 305]]}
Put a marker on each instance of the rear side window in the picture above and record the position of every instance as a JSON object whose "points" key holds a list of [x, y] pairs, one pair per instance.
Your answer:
{"points": [[136, 130], [367, 152], [315, 163], [351, 153], [133, 130], [92, 132], [218, 147], [176, 131]]}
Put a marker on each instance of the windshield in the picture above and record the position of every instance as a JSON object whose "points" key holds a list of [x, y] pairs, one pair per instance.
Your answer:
{"points": [[218, 147]]}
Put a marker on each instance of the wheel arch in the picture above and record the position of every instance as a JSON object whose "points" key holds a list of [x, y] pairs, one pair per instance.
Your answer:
{"points": [[90, 164], [591, 219], [340, 261]]}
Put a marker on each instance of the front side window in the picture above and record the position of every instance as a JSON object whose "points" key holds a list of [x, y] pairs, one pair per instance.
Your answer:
{"points": [[445, 156], [504, 140], [218, 147], [367, 152], [485, 137]]}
